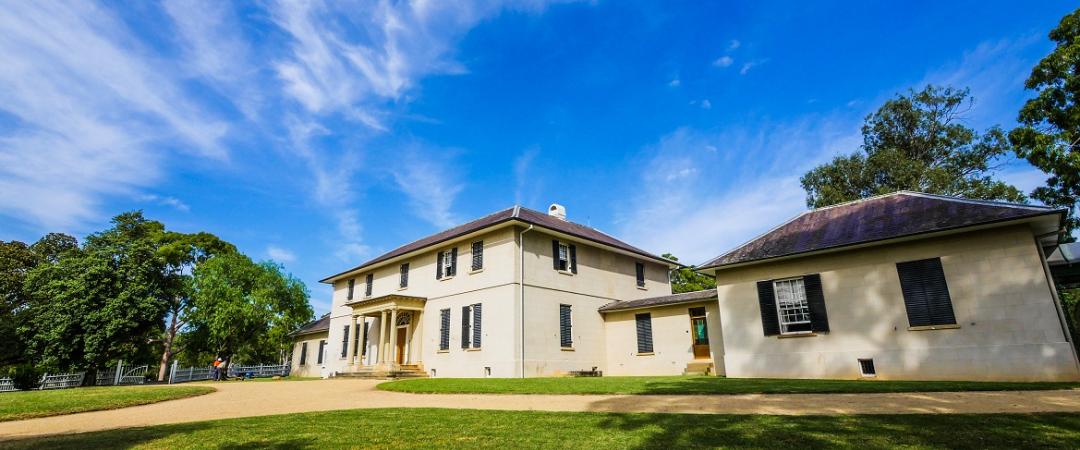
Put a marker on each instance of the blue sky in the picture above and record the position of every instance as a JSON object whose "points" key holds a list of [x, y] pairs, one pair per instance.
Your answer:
{"points": [[322, 134]]}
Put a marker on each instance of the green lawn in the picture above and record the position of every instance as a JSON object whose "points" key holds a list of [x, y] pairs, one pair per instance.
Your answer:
{"points": [[30, 404], [693, 385], [444, 428]]}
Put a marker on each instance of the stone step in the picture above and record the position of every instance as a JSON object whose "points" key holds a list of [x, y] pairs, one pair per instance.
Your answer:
{"points": [[698, 368]]}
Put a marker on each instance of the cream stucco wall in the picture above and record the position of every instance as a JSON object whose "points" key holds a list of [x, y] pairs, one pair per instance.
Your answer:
{"points": [[1009, 327], [672, 341], [491, 286], [603, 276], [311, 366]]}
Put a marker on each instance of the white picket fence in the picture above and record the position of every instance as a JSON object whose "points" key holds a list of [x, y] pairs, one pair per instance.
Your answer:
{"points": [[7, 385], [259, 370], [122, 375], [180, 375], [61, 381]]}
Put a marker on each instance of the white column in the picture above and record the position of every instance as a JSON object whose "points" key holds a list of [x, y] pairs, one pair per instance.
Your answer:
{"points": [[350, 344], [380, 355], [393, 335]]}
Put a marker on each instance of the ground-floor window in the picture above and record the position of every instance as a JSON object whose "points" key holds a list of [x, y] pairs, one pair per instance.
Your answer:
{"points": [[471, 326], [322, 350], [444, 329], [791, 305], [644, 332], [303, 353], [565, 327]]}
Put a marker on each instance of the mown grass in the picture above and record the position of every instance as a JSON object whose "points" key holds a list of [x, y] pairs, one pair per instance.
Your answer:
{"points": [[446, 428], [695, 386], [31, 404]]}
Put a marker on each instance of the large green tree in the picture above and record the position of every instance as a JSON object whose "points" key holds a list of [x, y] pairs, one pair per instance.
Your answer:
{"points": [[1049, 132], [182, 253], [99, 303], [917, 142], [240, 309], [685, 279], [16, 261]]}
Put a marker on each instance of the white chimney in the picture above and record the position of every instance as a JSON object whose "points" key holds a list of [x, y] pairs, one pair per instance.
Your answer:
{"points": [[558, 211]]}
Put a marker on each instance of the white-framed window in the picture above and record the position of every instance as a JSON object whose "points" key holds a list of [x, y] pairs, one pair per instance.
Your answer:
{"points": [[564, 257], [447, 264], [791, 306]]}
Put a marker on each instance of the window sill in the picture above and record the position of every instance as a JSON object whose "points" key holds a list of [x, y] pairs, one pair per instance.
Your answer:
{"points": [[403, 288], [643, 288], [443, 351], [935, 327], [645, 354], [566, 272], [446, 278], [473, 349], [567, 349], [476, 271], [796, 335]]}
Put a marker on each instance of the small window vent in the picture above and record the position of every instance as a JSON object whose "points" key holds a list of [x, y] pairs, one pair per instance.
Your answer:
{"points": [[432, 373], [487, 371], [866, 366]]}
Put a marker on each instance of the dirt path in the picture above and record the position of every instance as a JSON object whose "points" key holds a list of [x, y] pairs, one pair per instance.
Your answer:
{"points": [[239, 399]]}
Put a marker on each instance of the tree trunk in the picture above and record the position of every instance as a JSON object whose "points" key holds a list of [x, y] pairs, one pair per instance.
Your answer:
{"points": [[166, 354]]}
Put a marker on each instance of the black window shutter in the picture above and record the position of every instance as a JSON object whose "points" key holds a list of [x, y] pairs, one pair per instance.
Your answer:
{"points": [[361, 342], [404, 281], [478, 255], [345, 342], [815, 299], [565, 338], [639, 269], [465, 332], [438, 265], [322, 349], [476, 331], [453, 261], [303, 353], [573, 258], [644, 332], [352, 284], [770, 323], [370, 280], [555, 254], [926, 294], [444, 329]]}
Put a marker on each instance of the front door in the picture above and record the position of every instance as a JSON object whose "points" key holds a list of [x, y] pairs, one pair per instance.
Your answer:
{"points": [[401, 346], [699, 331]]}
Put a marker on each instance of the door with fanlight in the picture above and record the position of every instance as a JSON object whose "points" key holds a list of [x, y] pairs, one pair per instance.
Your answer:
{"points": [[699, 333]]}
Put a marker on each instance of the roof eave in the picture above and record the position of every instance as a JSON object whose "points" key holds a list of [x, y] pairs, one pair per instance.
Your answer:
{"points": [[892, 240]]}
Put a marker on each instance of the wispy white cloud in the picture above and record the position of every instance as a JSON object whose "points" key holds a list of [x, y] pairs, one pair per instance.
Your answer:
{"points": [[173, 202], [427, 177], [281, 255], [723, 61], [675, 82], [734, 44], [94, 113], [750, 65], [523, 177], [680, 199]]}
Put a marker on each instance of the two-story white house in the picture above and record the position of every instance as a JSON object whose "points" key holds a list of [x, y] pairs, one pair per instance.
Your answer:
{"points": [[515, 293]]}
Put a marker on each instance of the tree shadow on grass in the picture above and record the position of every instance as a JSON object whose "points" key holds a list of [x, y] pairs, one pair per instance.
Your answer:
{"points": [[789, 432], [165, 436]]}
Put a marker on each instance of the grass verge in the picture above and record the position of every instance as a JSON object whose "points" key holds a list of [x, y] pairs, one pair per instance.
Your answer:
{"points": [[695, 386], [446, 428], [31, 404]]}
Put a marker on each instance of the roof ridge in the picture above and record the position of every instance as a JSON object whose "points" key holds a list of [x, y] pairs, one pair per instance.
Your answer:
{"points": [[978, 201]]}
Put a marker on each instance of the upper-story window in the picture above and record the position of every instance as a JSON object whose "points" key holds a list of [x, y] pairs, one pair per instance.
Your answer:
{"points": [[352, 285], [477, 255], [403, 281], [369, 281], [564, 256], [639, 270], [446, 263]]}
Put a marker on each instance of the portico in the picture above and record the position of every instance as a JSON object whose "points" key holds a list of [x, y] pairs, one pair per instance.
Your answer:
{"points": [[396, 326]]}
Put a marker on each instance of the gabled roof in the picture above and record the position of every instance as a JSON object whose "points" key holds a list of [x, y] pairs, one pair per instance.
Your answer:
{"points": [[891, 216], [315, 326], [652, 302], [518, 214]]}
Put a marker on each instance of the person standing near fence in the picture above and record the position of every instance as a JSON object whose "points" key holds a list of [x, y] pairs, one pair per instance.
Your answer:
{"points": [[217, 369]]}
